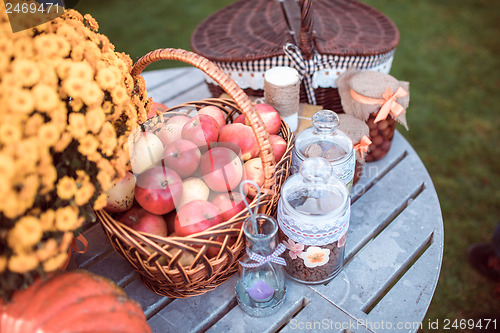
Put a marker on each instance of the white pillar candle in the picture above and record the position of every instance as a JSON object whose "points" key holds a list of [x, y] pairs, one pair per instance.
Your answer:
{"points": [[282, 91]]}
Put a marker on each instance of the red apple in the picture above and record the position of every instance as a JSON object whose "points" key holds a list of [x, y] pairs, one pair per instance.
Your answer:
{"points": [[169, 133], [212, 251], [182, 156], [229, 204], [203, 130], [158, 190], [270, 117], [214, 112], [253, 171], [178, 119], [156, 109], [279, 146], [121, 194], [243, 137], [141, 220], [239, 120], [196, 216], [221, 168]]}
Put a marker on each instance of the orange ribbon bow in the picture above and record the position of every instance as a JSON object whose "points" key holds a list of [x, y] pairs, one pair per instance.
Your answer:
{"points": [[388, 102], [74, 247], [363, 144]]}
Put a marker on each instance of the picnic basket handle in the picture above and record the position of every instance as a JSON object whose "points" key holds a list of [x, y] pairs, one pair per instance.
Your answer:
{"points": [[232, 89], [299, 18], [306, 29]]}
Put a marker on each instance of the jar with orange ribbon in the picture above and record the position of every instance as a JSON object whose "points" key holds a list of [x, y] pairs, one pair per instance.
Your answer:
{"points": [[358, 131], [378, 99]]}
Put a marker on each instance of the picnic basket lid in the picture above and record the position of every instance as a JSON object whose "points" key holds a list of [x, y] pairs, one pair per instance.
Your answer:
{"points": [[258, 29]]}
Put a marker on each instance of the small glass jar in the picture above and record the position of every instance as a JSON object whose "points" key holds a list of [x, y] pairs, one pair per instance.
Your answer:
{"points": [[324, 139], [313, 216], [260, 289]]}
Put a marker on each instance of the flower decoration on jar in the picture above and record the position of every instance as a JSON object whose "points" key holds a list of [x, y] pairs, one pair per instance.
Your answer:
{"points": [[295, 249], [315, 256], [68, 104]]}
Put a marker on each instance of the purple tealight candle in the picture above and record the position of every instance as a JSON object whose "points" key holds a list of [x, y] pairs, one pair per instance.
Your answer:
{"points": [[260, 291]]}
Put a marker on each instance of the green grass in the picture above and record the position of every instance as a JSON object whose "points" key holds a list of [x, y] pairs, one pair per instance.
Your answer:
{"points": [[449, 52]]}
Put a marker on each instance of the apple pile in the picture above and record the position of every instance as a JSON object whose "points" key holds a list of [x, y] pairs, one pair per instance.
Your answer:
{"points": [[186, 173]]}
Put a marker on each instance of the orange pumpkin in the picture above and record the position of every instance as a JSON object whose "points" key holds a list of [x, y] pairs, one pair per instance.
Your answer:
{"points": [[77, 301]]}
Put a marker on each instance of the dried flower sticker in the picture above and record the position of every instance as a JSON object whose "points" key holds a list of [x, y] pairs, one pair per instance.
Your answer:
{"points": [[315, 256], [295, 248], [341, 241]]}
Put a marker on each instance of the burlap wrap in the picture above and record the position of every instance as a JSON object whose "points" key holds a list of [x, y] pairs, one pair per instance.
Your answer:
{"points": [[355, 129], [370, 84]]}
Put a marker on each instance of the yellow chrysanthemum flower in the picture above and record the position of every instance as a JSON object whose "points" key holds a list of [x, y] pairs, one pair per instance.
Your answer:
{"points": [[88, 145], [23, 47], [105, 179], [46, 98], [84, 194], [63, 68], [81, 70], [48, 175], [66, 218], [63, 142], [74, 87], [107, 136], [46, 45], [107, 78], [92, 94], [26, 71], [48, 134], [101, 202], [4, 62], [33, 124], [48, 249], [25, 234], [66, 188], [6, 45], [95, 118], [21, 100], [9, 134], [56, 262], [76, 104], [119, 95], [47, 220], [91, 22], [29, 189], [21, 263]]}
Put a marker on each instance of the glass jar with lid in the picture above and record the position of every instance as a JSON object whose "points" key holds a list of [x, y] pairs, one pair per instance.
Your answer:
{"points": [[313, 215], [324, 139]]}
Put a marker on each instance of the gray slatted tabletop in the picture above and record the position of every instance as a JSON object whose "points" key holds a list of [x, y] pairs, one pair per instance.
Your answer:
{"points": [[393, 256]]}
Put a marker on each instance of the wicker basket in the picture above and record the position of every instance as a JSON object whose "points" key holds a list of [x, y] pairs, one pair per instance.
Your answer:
{"points": [[323, 38], [157, 259]]}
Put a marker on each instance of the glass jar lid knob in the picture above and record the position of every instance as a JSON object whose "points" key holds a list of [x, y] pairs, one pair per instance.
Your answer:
{"points": [[325, 121], [316, 169]]}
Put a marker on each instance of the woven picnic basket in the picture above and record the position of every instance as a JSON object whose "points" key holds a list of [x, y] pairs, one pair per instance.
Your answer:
{"points": [[157, 259], [320, 38]]}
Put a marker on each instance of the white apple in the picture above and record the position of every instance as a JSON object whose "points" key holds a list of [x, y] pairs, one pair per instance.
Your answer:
{"points": [[193, 189], [121, 194], [214, 112], [145, 151]]}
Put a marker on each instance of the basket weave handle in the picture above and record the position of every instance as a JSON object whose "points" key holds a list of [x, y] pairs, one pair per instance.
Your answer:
{"points": [[306, 28], [232, 89], [299, 18]]}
